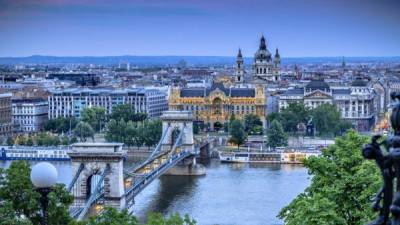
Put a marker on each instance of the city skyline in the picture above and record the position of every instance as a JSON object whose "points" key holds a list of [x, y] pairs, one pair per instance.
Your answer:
{"points": [[308, 28]]}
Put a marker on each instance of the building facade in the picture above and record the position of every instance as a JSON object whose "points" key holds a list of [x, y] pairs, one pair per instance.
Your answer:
{"points": [[213, 106], [356, 103], [265, 68], [70, 102], [6, 125], [29, 115]]}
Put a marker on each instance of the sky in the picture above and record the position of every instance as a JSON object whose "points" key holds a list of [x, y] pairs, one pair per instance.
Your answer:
{"points": [[299, 28]]}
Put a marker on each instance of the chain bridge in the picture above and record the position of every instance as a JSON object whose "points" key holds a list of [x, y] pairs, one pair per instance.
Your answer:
{"points": [[101, 180]]}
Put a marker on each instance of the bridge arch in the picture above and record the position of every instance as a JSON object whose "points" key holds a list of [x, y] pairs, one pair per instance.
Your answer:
{"points": [[97, 166]]}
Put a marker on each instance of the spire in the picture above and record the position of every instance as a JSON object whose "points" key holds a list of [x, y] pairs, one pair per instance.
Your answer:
{"points": [[239, 55], [263, 46], [277, 53]]}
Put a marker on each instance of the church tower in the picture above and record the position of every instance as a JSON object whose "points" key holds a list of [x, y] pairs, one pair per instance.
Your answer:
{"points": [[277, 65], [239, 73], [263, 67]]}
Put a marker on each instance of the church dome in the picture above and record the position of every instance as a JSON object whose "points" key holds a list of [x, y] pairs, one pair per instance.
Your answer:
{"points": [[262, 52]]}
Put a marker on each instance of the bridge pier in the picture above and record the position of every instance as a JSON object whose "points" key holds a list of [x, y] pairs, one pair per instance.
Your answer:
{"points": [[187, 167]]}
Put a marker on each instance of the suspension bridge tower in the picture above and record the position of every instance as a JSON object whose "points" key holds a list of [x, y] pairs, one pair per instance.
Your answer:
{"points": [[98, 176], [175, 123]]}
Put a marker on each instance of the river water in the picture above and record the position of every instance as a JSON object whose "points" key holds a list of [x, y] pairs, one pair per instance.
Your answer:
{"points": [[230, 194]]}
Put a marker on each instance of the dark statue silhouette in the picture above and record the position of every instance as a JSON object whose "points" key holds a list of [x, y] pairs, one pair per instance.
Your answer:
{"points": [[388, 160]]}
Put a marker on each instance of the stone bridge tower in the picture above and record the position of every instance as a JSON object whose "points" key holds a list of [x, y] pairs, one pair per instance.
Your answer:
{"points": [[95, 158], [174, 121]]}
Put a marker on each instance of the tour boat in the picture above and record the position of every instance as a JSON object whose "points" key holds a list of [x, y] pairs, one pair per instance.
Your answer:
{"points": [[34, 153], [286, 157]]}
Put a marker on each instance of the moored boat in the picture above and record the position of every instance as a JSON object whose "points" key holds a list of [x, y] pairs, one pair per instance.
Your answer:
{"points": [[285, 157]]}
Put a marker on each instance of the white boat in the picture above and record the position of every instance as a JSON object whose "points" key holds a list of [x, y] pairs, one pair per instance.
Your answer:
{"points": [[288, 157], [34, 153]]}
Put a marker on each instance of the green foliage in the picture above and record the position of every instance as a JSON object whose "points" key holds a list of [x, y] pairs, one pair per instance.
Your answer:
{"points": [[276, 136], [46, 139], [111, 216], [152, 132], [341, 189], [83, 130], [10, 141], [127, 113], [61, 124], [237, 132], [95, 116], [292, 115], [274, 116], [327, 120], [21, 201], [196, 128], [134, 133], [173, 219], [252, 124], [29, 141]]}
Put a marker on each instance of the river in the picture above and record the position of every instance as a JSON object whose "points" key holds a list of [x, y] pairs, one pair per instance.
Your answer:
{"points": [[230, 194]]}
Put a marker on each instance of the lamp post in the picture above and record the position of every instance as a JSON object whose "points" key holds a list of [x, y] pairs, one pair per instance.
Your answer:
{"points": [[44, 176]]}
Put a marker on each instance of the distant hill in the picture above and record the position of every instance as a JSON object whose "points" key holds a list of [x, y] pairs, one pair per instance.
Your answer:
{"points": [[173, 60]]}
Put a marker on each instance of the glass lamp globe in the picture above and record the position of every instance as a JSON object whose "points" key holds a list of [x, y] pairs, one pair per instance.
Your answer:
{"points": [[44, 175]]}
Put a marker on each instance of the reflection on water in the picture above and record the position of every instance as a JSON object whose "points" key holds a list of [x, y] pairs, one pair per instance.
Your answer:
{"points": [[229, 194]]}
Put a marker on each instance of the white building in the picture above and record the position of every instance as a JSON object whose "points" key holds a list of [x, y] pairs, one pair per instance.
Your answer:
{"points": [[70, 102], [29, 115], [356, 103]]}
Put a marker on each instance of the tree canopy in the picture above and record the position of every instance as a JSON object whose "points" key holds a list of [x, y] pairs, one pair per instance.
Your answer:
{"points": [[327, 120], [253, 124], [21, 201], [95, 116], [341, 188], [127, 113], [237, 132], [292, 115], [134, 133], [61, 124], [276, 136], [83, 130]]}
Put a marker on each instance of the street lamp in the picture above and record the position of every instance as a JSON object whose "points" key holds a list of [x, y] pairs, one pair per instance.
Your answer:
{"points": [[44, 176]]}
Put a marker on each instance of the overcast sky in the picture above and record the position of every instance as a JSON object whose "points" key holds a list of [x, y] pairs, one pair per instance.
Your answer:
{"points": [[199, 27]]}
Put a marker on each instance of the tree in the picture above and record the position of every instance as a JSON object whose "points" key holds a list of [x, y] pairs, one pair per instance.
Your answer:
{"points": [[252, 123], [29, 141], [152, 132], [83, 130], [327, 120], [10, 141], [276, 135], [21, 201], [111, 216], [274, 116], [291, 116], [122, 111], [196, 128], [341, 188], [237, 132], [61, 124], [95, 116]]}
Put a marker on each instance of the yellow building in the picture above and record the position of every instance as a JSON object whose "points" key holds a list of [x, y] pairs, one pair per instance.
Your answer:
{"points": [[214, 105]]}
